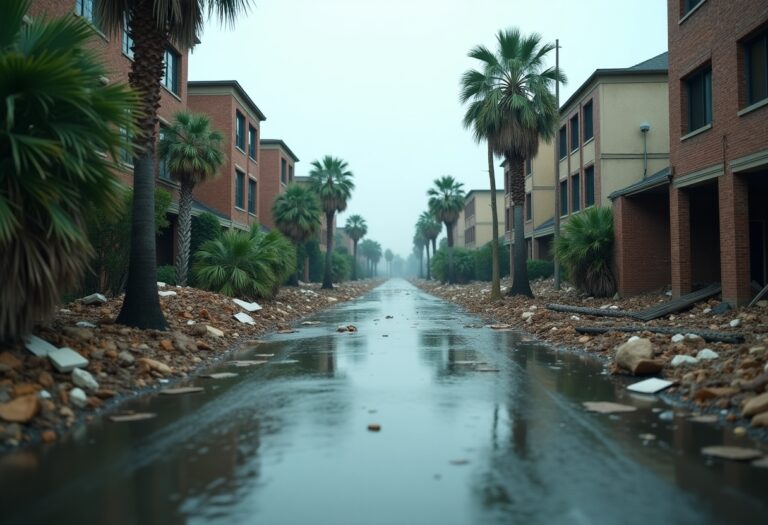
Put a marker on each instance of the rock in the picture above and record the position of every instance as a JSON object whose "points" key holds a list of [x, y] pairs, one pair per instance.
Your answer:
{"points": [[161, 284], [10, 432], [95, 298], [693, 338], [762, 304], [245, 318], [735, 323], [678, 338], [500, 326], [10, 360], [575, 318], [248, 307], [220, 375], [650, 386], [374, 427], [126, 418], [37, 346], [85, 324], [45, 379], [706, 354], [166, 344], [78, 398], [20, 410], [181, 390], [757, 350], [721, 308], [526, 315], [66, 360], [331, 299], [739, 431], [183, 343], [733, 453], [25, 389], [48, 436], [605, 407], [756, 405], [637, 357], [125, 358], [169, 293], [633, 338], [82, 334], [584, 339], [84, 379], [215, 332], [703, 394], [760, 420], [707, 310], [157, 366], [681, 360]]}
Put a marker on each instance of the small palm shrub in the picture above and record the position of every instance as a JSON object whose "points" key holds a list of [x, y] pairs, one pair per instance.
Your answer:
{"points": [[166, 274], [484, 263], [205, 227], [463, 265], [539, 269], [245, 264], [585, 249]]}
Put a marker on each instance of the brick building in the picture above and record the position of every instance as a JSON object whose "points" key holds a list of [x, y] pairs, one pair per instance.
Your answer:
{"points": [[718, 101], [234, 194], [476, 219], [321, 236], [277, 170]]}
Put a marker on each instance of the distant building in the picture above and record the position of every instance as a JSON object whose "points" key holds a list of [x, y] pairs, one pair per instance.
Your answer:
{"points": [[277, 167], [477, 218], [321, 237]]}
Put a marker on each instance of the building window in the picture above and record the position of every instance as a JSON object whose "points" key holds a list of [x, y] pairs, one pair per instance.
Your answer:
{"points": [[251, 196], [588, 130], [469, 209], [756, 68], [239, 189], [85, 9], [528, 167], [127, 41], [528, 207], [252, 142], [163, 172], [172, 71], [589, 186], [574, 133], [283, 171], [125, 154], [699, 87], [575, 194], [290, 174], [563, 143], [240, 130], [690, 5], [564, 197]]}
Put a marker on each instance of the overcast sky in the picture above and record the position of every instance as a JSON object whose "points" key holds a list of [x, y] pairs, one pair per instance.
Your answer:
{"points": [[376, 83]]}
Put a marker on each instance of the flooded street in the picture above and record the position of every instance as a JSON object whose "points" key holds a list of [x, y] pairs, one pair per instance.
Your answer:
{"points": [[477, 426]]}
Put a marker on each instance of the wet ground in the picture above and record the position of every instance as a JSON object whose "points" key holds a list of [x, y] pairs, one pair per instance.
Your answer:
{"points": [[504, 440]]}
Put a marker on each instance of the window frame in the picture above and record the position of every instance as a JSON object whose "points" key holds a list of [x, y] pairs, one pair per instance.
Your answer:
{"points": [[703, 74], [589, 170], [240, 131], [575, 193], [563, 141], [528, 207], [283, 171], [252, 142], [87, 14], [589, 131], [747, 54], [239, 189], [574, 126], [126, 42], [252, 192], [172, 82], [564, 197]]}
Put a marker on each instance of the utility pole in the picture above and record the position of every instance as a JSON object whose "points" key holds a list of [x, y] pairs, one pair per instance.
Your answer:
{"points": [[557, 163]]}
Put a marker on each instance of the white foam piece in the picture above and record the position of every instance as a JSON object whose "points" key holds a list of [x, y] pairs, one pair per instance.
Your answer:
{"points": [[650, 386]]}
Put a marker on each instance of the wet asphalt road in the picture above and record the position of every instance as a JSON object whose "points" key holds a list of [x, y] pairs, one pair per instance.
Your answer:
{"points": [[287, 442]]}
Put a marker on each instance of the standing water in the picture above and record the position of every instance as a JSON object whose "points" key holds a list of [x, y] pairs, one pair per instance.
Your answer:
{"points": [[477, 426]]}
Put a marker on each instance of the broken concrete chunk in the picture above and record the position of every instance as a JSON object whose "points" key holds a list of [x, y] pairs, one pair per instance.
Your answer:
{"points": [[650, 386], [85, 324], [244, 318], [678, 338], [84, 379], [680, 360], [161, 284], [66, 360], [215, 332], [78, 398], [637, 357], [95, 298], [248, 307], [37, 346], [166, 294], [605, 407], [733, 453], [706, 353]]}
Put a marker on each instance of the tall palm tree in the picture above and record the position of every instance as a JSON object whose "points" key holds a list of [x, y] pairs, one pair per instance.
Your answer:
{"points": [[446, 200], [512, 107], [332, 182], [418, 248], [296, 213], [58, 120], [376, 254], [356, 228], [430, 228], [388, 256], [193, 152], [152, 25]]}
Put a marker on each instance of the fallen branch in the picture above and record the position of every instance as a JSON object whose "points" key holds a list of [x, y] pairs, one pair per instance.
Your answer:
{"points": [[707, 335], [602, 312]]}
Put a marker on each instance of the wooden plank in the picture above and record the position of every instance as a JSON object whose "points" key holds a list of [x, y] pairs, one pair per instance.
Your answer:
{"points": [[759, 296], [601, 312], [675, 305], [707, 335]]}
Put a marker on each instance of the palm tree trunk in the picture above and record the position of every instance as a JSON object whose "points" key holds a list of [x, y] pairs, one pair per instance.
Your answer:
{"points": [[434, 245], [354, 260], [184, 232], [520, 284], [328, 275], [451, 278], [141, 306], [293, 280], [429, 274], [495, 279]]}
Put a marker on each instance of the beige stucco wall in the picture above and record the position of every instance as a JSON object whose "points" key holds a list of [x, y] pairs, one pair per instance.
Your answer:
{"points": [[482, 218]]}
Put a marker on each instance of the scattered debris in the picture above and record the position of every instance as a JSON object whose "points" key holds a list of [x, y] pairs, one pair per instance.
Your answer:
{"points": [[374, 427], [732, 453], [181, 390], [215, 332], [84, 379], [706, 353], [680, 360], [245, 363], [606, 407], [245, 318], [636, 356], [78, 398], [66, 359], [650, 386], [169, 293], [95, 298], [38, 347], [127, 418], [248, 307], [220, 375]]}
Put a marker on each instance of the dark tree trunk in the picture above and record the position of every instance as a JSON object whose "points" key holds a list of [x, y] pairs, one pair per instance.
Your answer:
{"points": [[184, 231], [328, 274], [141, 306], [495, 279], [451, 277], [293, 280], [520, 284], [429, 272], [434, 245], [354, 259]]}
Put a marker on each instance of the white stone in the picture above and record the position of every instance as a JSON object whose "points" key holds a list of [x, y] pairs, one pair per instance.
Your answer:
{"points": [[679, 360], [84, 379], [85, 324], [44, 394], [735, 323], [605, 306], [66, 359], [126, 358], [78, 398], [37, 346], [613, 307], [693, 337], [706, 353], [190, 322], [244, 318], [757, 350], [161, 284], [248, 307], [668, 294], [526, 315], [678, 338], [707, 310], [166, 294], [95, 298], [650, 386], [633, 338], [331, 299], [214, 331], [575, 318]]}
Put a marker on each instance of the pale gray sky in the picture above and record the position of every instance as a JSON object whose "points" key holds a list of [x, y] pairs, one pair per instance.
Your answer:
{"points": [[376, 83]]}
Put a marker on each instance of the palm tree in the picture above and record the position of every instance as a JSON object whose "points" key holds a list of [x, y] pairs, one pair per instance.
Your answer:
{"points": [[356, 228], [418, 248], [332, 182], [376, 254], [296, 213], [388, 256], [430, 228], [446, 200], [58, 123], [193, 152], [512, 107], [152, 25]]}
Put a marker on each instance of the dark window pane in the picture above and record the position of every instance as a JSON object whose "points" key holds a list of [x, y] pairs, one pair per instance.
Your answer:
{"points": [[756, 67], [252, 142], [290, 174], [171, 73], [575, 194], [251, 196], [575, 133], [588, 133], [699, 99], [127, 41], [589, 186], [563, 143], [240, 131], [239, 189], [528, 207], [528, 167], [564, 198], [688, 5], [283, 171]]}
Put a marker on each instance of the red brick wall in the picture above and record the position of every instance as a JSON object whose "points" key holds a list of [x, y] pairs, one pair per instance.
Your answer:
{"points": [[270, 181], [642, 248]]}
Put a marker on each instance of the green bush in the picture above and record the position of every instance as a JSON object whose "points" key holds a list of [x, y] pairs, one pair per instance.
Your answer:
{"points": [[538, 269], [463, 265], [166, 274], [483, 262], [205, 227], [341, 269], [585, 249], [245, 264]]}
